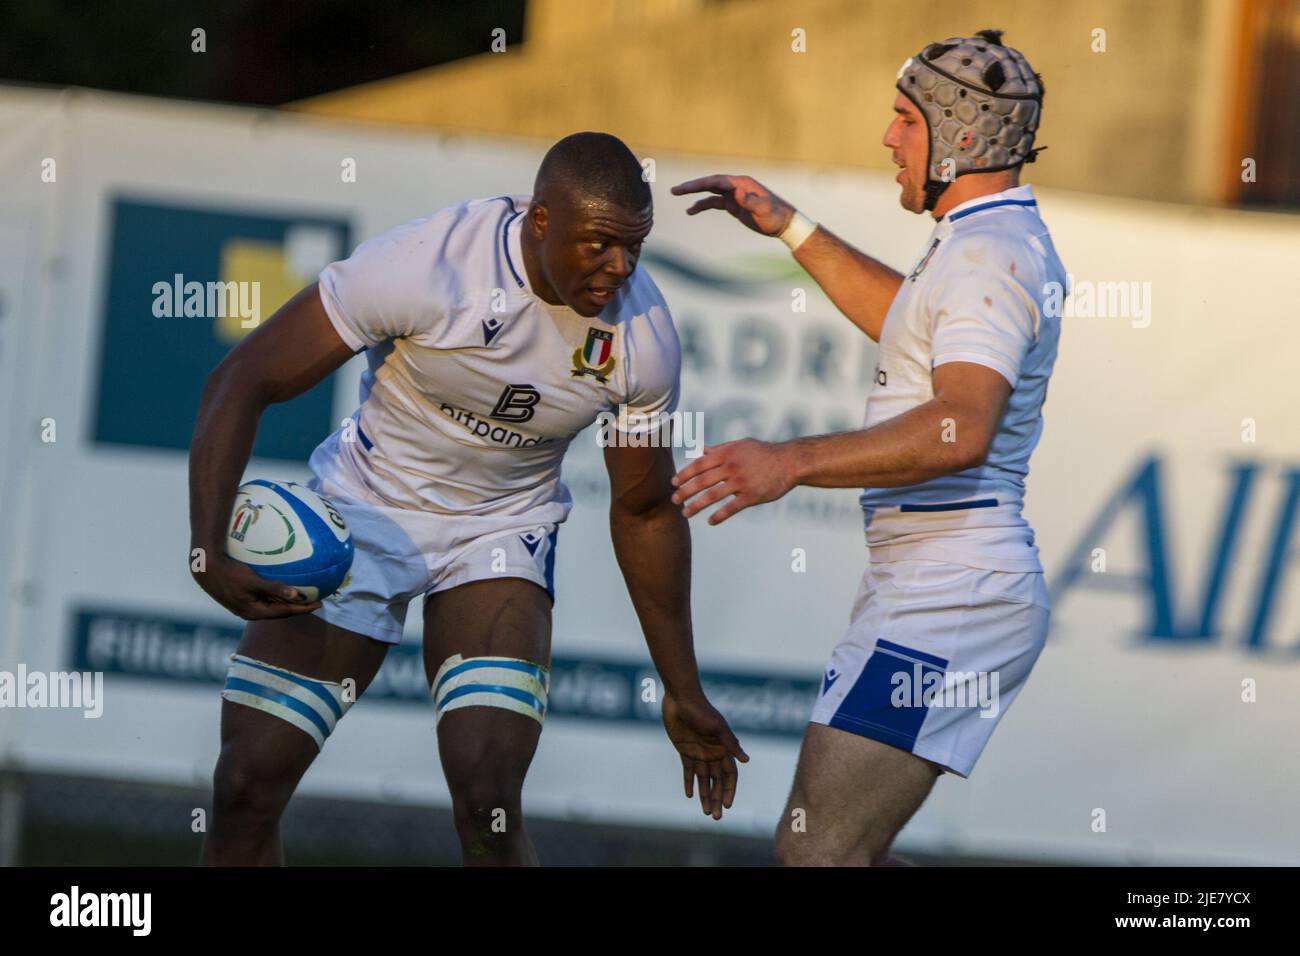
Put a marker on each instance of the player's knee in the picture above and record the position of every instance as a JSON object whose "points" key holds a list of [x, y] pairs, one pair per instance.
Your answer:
{"points": [[488, 788], [489, 815], [488, 810], [801, 849], [794, 845], [247, 788], [791, 842], [782, 848], [837, 847]]}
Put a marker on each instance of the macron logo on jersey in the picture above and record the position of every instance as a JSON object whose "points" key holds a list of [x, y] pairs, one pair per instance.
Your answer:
{"points": [[490, 329], [831, 676]]}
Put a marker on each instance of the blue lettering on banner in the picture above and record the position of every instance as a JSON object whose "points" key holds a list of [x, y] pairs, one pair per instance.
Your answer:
{"points": [[151, 646], [1142, 492]]}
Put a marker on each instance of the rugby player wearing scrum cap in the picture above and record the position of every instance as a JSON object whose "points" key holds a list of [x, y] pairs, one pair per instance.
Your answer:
{"points": [[952, 612]]}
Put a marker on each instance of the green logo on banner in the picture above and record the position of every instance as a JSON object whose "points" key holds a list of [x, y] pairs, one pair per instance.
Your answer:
{"points": [[186, 284]]}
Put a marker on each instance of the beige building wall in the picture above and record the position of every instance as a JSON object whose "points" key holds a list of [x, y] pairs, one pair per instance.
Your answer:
{"points": [[1148, 117]]}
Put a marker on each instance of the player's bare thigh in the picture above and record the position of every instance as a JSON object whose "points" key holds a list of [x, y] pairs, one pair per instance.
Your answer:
{"points": [[851, 796], [505, 617], [306, 644]]}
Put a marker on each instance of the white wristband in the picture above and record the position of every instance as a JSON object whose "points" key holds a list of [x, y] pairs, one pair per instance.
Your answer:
{"points": [[799, 229]]}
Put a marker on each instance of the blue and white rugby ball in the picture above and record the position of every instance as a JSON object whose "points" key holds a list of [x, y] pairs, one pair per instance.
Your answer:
{"points": [[288, 533]]}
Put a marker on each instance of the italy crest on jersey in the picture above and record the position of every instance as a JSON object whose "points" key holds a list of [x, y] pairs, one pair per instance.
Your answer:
{"points": [[596, 357]]}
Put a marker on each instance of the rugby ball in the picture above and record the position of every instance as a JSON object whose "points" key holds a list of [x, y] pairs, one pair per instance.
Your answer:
{"points": [[286, 532]]}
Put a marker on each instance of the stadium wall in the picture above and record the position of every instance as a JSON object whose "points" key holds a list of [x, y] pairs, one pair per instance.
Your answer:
{"points": [[1129, 110]]}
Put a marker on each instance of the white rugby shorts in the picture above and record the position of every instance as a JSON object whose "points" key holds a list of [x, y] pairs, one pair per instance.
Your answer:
{"points": [[400, 553], [934, 655]]}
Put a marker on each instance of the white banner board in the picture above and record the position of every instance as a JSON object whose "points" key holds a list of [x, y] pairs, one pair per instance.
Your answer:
{"points": [[1163, 494]]}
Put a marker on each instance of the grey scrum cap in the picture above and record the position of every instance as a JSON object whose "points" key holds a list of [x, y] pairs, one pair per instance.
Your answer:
{"points": [[982, 102]]}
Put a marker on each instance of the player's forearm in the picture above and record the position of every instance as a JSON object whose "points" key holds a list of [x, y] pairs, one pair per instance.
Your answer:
{"points": [[223, 441], [860, 286], [923, 443], [653, 548]]}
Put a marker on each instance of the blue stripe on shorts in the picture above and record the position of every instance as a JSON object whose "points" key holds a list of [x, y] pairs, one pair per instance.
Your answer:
{"points": [[868, 709]]}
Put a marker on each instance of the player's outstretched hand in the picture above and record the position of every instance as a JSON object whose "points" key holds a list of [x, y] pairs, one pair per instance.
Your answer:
{"points": [[749, 472], [709, 751], [245, 593], [747, 199]]}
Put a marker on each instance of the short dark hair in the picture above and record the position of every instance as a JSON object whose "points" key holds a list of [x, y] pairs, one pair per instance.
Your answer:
{"points": [[595, 165], [995, 37]]}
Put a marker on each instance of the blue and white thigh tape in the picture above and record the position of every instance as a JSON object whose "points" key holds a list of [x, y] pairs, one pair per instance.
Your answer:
{"points": [[504, 682], [313, 706]]}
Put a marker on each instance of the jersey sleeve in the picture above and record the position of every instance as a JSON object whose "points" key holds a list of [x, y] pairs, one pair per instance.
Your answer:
{"points": [[654, 371], [382, 291], [984, 316]]}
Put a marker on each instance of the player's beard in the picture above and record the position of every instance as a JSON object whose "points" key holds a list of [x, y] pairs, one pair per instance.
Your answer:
{"points": [[912, 196]]}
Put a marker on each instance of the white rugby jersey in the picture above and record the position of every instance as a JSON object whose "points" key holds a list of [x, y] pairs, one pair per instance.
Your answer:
{"points": [[976, 294], [476, 386]]}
